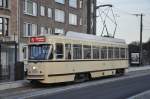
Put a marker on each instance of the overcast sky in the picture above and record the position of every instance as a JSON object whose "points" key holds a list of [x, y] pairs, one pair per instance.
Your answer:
{"points": [[129, 25]]}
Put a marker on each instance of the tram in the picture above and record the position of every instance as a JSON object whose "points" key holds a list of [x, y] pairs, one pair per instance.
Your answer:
{"points": [[75, 57]]}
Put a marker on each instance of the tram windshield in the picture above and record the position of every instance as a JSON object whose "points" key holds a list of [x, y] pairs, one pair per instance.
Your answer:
{"points": [[40, 52]]}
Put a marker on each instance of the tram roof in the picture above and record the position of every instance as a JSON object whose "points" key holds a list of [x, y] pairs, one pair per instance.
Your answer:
{"points": [[83, 36]]}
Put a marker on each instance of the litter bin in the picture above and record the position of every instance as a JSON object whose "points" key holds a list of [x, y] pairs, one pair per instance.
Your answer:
{"points": [[19, 71]]}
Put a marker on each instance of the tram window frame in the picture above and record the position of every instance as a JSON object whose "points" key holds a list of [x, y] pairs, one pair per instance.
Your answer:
{"points": [[110, 52], [51, 53], [25, 52], [59, 51], [104, 53], [87, 51], [122, 53], [116, 53], [96, 52], [77, 51], [68, 51]]}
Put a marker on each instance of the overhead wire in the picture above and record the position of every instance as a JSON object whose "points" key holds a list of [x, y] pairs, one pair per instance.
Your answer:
{"points": [[128, 13]]}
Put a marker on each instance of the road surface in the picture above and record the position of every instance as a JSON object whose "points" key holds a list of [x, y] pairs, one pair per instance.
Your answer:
{"points": [[110, 88]]}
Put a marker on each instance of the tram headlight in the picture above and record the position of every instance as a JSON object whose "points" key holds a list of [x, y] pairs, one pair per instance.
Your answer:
{"points": [[34, 68]]}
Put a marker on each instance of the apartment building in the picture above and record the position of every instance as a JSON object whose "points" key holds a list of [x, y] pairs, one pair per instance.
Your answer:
{"points": [[46, 17]]}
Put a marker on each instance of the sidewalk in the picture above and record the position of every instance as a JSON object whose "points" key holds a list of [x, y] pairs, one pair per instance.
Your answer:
{"points": [[13, 84], [22, 83], [137, 68], [143, 95]]}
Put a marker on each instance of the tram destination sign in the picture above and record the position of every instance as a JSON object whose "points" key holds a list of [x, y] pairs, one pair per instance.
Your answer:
{"points": [[37, 39]]}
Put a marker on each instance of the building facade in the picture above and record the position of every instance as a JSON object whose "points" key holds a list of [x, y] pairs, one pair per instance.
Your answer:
{"points": [[91, 16], [46, 17], [8, 37]]}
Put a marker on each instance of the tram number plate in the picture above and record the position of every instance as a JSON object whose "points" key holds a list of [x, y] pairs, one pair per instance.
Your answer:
{"points": [[34, 71]]}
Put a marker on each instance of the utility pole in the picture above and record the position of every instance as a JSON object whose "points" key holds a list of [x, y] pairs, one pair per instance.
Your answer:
{"points": [[141, 35]]}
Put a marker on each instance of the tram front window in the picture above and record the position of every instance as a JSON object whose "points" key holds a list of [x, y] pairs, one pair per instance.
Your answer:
{"points": [[40, 52]]}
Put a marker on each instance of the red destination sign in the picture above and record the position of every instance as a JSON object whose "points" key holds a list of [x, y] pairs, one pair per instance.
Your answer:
{"points": [[37, 39]]}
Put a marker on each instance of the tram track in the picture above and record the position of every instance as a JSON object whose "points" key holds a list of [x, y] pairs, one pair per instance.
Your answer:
{"points": [[33, 91]]}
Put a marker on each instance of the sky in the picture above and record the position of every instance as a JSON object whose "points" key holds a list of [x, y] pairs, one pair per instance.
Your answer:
{"points": [[128, 25]]}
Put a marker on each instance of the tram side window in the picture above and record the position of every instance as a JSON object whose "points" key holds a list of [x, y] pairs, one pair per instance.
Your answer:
{"points": [[68, 52], [96, 53], [122, 53], [77, 51], [116, 53], [127, 53], [104, 53], [59, 51], [110, 52], [87, 52]]}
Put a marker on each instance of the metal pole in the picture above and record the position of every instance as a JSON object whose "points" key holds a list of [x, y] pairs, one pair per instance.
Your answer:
{"points": [[141, 49], [0, 64], [89, 16], [94, 16]]}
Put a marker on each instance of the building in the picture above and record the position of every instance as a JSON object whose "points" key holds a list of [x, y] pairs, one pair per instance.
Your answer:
{"points": [[8, 36], [46, 17], [21, 19], [91, 16]]}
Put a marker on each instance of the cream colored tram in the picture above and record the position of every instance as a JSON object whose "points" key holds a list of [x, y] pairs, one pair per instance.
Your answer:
{"points": [[75, 57]]}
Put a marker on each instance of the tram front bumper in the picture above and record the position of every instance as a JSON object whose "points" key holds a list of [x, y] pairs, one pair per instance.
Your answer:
{"points": [[35, 73]]}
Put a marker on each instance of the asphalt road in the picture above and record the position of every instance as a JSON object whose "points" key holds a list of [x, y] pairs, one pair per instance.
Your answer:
{"points": [[121, 89], [109, 88]]}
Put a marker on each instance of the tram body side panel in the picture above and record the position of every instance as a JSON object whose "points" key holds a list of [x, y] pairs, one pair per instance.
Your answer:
{"points": [[65, 71]]}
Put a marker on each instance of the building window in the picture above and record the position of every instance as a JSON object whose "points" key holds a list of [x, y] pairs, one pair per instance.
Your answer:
{"points": [[4, 25], [80, 21], [49, 30], [59, 15], [80, 3], [30, 29], [49, 12], [59, 31], [44, 31], [30, 8], [42, 10], [4, 3], [72, 19], [73, 3], [60, 1]]}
